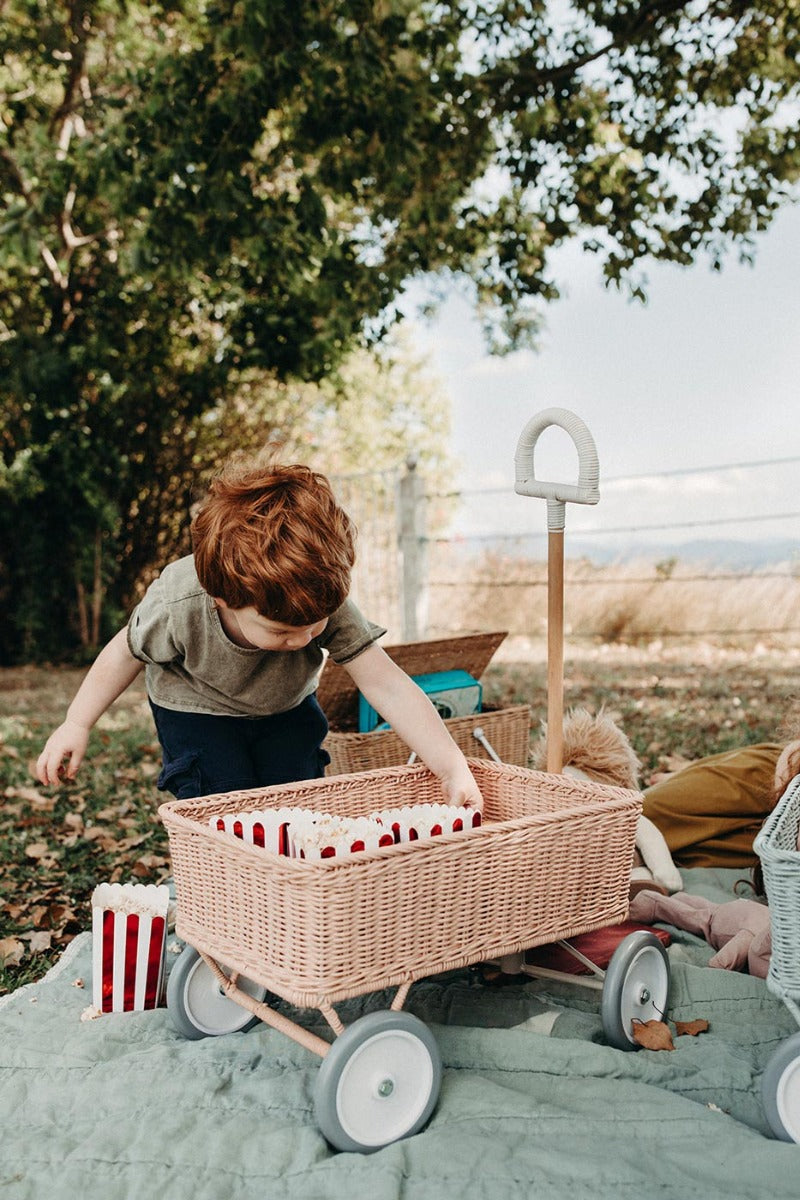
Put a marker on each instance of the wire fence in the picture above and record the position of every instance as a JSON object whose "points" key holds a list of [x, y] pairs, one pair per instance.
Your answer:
{"points": [[419, 585], [371, 500]]}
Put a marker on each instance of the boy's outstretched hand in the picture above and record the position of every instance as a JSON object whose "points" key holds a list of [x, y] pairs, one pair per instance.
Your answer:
{"points": [[68, 741], [460, 788], [110, 674]]}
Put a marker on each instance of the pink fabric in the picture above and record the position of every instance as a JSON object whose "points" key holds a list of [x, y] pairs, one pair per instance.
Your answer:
{"points": [[739, 930]]}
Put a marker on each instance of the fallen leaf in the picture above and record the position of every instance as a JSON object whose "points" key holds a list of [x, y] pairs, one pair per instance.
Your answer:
{"points": [[692, 1028], [147, 863], [98, 833], [130, 843], [12, 951], [39, 941], [653, 1035], [43, 801], [106, 814], [38, 916], [37, 849]]}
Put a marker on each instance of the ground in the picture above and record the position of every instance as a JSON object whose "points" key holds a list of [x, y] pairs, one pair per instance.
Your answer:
{"points": [[675, 704]]}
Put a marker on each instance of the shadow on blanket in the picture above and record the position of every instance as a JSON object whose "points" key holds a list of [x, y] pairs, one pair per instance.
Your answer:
{"points": [[533, 1102]]}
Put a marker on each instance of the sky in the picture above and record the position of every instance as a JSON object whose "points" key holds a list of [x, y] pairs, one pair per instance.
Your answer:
{"points": [[705, 375]]}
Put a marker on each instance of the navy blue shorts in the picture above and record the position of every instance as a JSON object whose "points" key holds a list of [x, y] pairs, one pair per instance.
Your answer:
{"points": [[204, 754]]}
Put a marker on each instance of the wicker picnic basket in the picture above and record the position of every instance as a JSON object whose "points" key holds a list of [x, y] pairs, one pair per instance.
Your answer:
{"points": [[777, 847], [551, 860], [507, 730]]}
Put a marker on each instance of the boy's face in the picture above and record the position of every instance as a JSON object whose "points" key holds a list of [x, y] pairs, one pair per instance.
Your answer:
{"points": [[247, 628]]}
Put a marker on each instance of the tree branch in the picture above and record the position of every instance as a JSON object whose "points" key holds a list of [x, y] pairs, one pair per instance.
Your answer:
{"points": [[522, 70], [80, 22], [14, 174]]}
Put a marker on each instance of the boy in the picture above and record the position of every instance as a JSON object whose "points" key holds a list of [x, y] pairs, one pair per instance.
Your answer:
{"points": [[231, 639]]}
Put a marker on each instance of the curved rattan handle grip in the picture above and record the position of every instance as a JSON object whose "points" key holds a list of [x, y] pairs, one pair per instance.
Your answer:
{"points": [[585, 491]]}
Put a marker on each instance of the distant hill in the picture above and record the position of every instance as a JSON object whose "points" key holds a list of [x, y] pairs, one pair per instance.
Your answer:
{"points": [[727, 553], [720, 552]]}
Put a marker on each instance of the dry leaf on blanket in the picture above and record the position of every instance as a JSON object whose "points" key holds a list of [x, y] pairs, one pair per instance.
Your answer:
{"points": [[653, 1035], [692, 1028]]}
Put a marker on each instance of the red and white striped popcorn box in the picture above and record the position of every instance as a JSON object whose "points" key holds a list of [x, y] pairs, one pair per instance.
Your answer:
{"points": [[268, 827], [415, 821], [319, 835], [129, 933]]}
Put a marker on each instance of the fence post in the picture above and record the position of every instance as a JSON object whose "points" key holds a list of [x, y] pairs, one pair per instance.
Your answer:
{"points": [[411, 503]]}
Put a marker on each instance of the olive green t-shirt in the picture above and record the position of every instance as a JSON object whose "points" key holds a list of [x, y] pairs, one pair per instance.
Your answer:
{"points": [[193, 666]]}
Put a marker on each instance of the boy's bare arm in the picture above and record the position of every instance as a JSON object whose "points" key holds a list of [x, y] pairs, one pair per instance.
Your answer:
{"points": [[411, 715], [111, 673]]}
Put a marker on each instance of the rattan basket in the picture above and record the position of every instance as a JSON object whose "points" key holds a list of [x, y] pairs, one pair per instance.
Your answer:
{"points": [[776, 846], [507, 730], [552, 859]]}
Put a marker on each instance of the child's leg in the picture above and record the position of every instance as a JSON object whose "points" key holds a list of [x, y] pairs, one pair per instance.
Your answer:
{"points": [[287, 746], [203, 754], [710, 812]]}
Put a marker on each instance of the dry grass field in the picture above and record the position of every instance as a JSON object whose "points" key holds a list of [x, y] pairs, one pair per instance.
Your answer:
{"points": [[677, 698], [635, 602]]}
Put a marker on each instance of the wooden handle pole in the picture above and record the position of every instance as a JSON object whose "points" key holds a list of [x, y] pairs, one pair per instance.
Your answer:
{"points": [[555, 650]]}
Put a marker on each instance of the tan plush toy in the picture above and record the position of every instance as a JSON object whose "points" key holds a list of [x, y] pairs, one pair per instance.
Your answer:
{"points": [[596, 749], [739, 930]]}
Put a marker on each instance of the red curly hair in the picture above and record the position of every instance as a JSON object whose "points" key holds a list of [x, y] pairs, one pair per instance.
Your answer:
{"points": [[273, 537]]}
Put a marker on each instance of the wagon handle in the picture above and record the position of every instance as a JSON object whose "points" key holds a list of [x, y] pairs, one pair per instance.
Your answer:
{"points": [[585, 491]]}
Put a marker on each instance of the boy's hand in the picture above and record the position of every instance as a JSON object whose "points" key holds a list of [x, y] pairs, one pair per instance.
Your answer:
{"points": [[68, 741], [462, 790]]}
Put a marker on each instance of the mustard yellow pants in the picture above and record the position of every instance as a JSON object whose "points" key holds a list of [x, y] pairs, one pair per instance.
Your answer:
{"points": [[710, 812]]}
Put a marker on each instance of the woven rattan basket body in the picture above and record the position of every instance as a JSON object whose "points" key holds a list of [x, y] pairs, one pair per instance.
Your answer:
{"points": [[776, 845], [551, 859], [507, 730]]}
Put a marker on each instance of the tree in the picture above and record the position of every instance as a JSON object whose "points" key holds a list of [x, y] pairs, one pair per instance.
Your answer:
{"points": [[197, 193]]}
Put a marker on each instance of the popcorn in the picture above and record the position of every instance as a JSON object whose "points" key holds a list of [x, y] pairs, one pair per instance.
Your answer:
{"points": [[303, 833], [412, 822], [129, 926], [268, 828], [320, 836]]}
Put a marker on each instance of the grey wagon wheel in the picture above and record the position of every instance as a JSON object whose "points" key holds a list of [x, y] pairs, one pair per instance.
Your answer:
{"points": [[780, 1090], [635, 988], [197, 1005], [378, 1083]]}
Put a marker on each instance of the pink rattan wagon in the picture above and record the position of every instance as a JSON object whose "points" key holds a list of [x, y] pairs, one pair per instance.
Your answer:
{"points": [[550, 860]]}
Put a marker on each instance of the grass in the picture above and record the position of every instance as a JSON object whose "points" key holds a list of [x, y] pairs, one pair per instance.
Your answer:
{"points": [[675, 705], [631, 603], [56, 844]]}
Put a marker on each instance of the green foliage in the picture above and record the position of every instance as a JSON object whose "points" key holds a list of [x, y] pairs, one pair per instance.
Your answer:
{"points": [[205, 197]]}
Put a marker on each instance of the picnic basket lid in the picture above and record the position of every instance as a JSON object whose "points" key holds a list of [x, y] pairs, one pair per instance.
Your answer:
{"points": [[338, 695]]}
